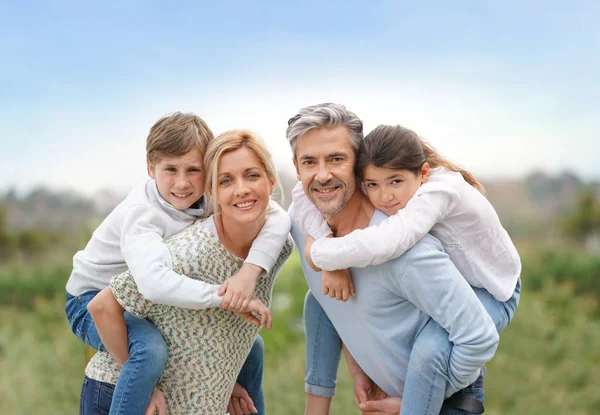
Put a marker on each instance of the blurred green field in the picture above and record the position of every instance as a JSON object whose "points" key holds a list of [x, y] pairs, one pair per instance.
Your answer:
{"points": [[548, 361]]}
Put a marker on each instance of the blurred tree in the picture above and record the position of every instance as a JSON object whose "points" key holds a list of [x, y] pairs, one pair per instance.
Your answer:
{"points": [[584, 221], [7, 240], [32, 242]]}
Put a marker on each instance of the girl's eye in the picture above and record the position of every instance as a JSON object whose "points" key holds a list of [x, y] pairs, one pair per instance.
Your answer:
{"points": [[371, 185], [396, 181]]}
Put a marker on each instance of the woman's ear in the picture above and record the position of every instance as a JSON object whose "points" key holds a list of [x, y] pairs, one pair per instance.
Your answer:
{"points": [[272, 185], [425, 172]]}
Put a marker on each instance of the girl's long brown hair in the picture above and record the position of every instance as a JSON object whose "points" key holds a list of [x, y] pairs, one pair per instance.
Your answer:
{"points": [[399, 148]]}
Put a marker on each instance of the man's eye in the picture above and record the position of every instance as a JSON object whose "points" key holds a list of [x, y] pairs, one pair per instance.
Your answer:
{"points": [[308, 162], [337, 159]]}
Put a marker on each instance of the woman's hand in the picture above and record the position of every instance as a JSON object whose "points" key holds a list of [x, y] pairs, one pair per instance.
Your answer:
{"points": [[240, 402], [338, 284], [157, 404], [258, 307], [238, 290]]}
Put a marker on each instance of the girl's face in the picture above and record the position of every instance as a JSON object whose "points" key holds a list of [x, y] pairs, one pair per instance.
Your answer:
{"points": [[243, 187], [389, 190]]}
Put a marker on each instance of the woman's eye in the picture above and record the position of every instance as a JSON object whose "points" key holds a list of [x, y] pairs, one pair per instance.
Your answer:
{"points": [[224, 182], [254, 176]]}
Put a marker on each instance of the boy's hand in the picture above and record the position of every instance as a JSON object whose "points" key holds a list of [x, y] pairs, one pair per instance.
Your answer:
{"points": [[258, 307], [240, 402], [338, 284], [239, 289], [157, 404]]}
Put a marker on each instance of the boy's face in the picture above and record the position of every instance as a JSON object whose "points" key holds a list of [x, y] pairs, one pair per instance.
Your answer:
{"points": [[180, 179]]}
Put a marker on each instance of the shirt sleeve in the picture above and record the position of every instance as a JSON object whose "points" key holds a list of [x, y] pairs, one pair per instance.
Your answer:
{"points": [[126, 292], [308, 218], [149, 261], [433, 284], [392, 237], [267, 246]]}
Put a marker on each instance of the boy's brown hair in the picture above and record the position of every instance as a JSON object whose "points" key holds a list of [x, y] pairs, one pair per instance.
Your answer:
{"points": [[175, 134]]}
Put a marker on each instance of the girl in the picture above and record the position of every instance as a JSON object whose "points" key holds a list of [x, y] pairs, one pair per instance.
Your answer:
{"points": [[422, 192]]}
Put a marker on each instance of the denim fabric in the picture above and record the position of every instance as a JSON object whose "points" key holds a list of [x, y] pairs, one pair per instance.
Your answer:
{"points": [[427, 374], [251, 375], [323, 350], [474, 390], [147, 359], [95, 397], [147, 355]]}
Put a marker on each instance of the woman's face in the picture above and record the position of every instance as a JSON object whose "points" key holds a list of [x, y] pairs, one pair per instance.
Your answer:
{"points": [[243, 187], [389, 190]]}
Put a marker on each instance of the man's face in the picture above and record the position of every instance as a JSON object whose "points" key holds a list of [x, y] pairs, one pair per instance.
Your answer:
{"points": [[324, 161]]}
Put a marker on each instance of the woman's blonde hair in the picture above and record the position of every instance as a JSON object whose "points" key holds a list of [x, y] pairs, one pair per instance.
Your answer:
{"points": [[230, 141]]}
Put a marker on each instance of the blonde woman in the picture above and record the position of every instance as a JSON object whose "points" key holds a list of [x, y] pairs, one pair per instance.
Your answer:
{"points": [[206, 347]]}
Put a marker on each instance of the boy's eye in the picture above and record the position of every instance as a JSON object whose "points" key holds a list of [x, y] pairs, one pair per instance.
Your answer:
{"points": [[171, 169]]}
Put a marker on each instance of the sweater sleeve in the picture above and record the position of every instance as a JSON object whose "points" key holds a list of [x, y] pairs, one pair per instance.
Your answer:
{"points": [[147, 256], [392, 237], [270, 241], [307, 217], [433, 284]]}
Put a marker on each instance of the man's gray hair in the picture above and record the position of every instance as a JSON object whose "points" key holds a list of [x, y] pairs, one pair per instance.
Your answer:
{"points": [[324, 115]]}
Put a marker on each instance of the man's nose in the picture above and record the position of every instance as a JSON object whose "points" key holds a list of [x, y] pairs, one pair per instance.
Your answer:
{"points": [[323, 173]]}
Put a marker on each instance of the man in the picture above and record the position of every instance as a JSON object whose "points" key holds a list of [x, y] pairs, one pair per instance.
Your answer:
{"points": [[394, 301]]}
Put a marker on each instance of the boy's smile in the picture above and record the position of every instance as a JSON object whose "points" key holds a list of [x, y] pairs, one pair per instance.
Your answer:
{"points": [[180, 179]]}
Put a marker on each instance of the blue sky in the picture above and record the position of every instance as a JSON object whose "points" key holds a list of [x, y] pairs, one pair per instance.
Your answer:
{"points": [[500, 87]]}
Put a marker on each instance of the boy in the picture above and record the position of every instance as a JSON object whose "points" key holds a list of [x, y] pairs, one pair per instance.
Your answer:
{"points": [[132, 237]]}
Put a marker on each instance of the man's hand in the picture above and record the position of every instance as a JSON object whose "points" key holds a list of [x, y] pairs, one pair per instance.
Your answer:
{"points": [[387, 406], [338, 284], [371, 399], [157, 404], [238, 290], [240, 402], [257, 306]]}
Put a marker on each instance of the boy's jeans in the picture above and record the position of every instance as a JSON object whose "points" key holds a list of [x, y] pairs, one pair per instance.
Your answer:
{"points": [[147, 359], [427, 372]]}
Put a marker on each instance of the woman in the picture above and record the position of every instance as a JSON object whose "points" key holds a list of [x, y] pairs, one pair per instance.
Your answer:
{"points": [[206, 347]]}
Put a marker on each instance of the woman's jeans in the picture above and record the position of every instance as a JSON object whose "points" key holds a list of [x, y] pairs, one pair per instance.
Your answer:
{"points": [[147, 359], [426, 384]]}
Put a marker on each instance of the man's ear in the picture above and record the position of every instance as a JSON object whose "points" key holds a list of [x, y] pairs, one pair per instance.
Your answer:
{"points": [[296, 166], [150, 168], [425, 172]]}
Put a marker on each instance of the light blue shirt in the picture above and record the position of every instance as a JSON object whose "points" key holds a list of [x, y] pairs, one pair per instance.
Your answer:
{"points": [[393, 303]]}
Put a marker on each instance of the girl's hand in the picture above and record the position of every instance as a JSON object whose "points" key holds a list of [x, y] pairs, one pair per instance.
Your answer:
{"points": [[307, 245], [338, 284]]}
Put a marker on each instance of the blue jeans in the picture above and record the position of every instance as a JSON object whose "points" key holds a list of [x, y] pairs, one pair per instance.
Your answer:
{"points": [[96, 396], [475, 391], [147, 355], [427, 373], [149, 352]]}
